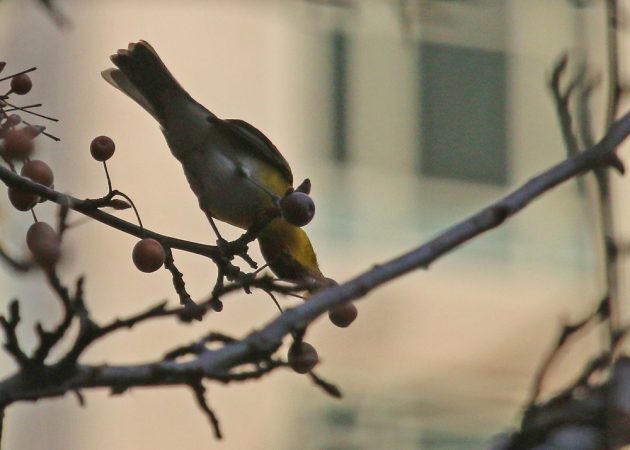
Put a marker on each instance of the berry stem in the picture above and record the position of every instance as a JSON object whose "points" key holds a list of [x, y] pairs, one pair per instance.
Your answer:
{"points": [[109, 180], [135, 210]]}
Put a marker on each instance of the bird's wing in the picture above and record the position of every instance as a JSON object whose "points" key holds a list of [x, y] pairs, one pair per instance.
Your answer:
{"points": [[260, 144]]}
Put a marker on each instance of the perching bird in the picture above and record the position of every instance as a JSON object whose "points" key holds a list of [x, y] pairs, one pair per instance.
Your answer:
{"points": [[230, 165]]}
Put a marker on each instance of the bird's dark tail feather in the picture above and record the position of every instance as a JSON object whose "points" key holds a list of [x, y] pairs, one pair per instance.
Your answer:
{"points": [[142, 75]]}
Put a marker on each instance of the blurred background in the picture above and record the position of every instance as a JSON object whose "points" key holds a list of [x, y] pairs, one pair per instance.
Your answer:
{"points": [[407, 116]]}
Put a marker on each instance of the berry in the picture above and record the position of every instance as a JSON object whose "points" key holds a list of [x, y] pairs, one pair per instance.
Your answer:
{"points": [[18, 144], [302, 357], [102, 148], [38, 171], [44, 243], [342, 316], [297, 208], [21, 84], [148, 255], [22, 200]]}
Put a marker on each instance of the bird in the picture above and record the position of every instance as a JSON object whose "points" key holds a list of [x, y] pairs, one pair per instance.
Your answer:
{"points": [[234, 170]]}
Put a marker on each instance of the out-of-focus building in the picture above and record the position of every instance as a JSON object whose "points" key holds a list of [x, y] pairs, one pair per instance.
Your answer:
{"points": [[407, 116]]}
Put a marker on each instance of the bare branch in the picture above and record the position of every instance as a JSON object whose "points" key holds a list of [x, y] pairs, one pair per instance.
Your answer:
{"points": [[327, 387], [259, 345], [581, 413], [15, 264], [198, 347], [561, 100], [191, 309], [263, 368], [488, 218], [87, 208], [568, 332], [199, 391], [9, 325], [158, 310], [612, 46], [48, 339], [226, 363]]}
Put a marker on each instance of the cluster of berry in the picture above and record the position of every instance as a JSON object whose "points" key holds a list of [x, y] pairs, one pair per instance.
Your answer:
{"points": [[17, 147]]}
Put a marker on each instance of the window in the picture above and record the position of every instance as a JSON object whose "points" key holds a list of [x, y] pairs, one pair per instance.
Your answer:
{"points": [[463, 113]]}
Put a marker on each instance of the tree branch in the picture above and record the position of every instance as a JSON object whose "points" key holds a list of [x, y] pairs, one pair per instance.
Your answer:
{"points": [[88, 208], [199, 391], [9, 325], [219, 363], [48, 339], [15, 264]]}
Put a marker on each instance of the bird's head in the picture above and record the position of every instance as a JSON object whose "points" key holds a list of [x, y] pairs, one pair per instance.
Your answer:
{"points": [[289, 253]]}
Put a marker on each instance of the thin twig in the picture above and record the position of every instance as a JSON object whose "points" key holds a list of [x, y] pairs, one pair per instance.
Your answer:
{"points": [[601, 173], [18, 73], [603, 181], [87, 208], [612, 46], [48, 339], [9, 325], [15, 264], [199, 391], [326, 386], [562, 106], [191, 309], [28, 111], [568, 332]]}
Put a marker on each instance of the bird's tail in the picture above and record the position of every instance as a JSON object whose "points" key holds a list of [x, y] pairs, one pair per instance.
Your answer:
{"points": [[142, 75]]}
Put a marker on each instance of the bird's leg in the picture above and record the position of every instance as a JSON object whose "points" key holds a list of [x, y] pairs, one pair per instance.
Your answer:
{"points": [[231, 249], [220, 239]]}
